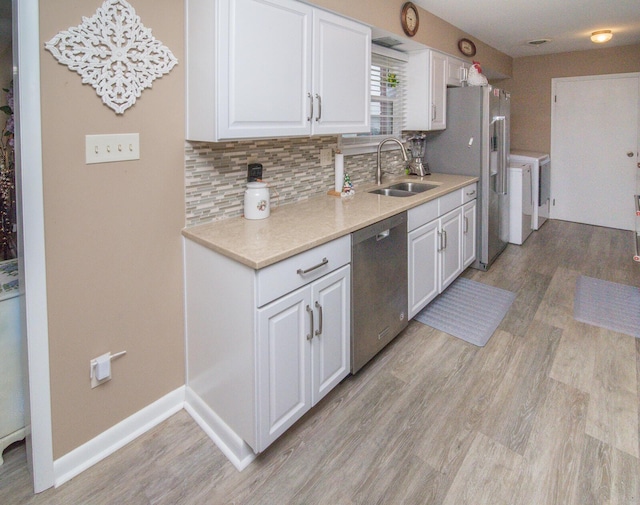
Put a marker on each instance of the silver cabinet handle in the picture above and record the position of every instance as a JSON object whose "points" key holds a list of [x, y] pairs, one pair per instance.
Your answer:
{"points": [[315, 267], [311, 106], [444, 233], [433, 112], [319, 107], [319, 330], [471, 193], [466, 224], [440, 247], [310, 334]]}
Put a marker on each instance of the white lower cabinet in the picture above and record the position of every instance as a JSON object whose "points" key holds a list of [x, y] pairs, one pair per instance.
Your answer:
{"points": [[264, 346], [441, 244], [450, 247], [423, 266], [435, 259], [303, 351], [468, 233]]}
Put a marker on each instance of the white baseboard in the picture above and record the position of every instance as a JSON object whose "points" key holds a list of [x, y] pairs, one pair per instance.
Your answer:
{"points": [[78, 460], [232, 446]]}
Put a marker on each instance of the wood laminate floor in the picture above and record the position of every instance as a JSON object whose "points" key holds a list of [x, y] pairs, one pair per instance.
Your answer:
{"points": [[546, 413]]}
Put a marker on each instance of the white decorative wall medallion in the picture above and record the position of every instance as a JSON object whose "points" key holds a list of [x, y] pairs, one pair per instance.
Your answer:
{"points": [[115, 53]]}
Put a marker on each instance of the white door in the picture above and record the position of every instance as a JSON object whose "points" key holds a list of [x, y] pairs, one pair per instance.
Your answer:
{"points": [[450, 247], [423, 266], [469, 233], [284, 364], [341, 70], [438, 91], [594, 145], [266, 61], [331, 343]]}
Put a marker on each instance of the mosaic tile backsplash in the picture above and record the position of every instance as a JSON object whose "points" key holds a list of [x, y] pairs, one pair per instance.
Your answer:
{"points": [[216, 173]]}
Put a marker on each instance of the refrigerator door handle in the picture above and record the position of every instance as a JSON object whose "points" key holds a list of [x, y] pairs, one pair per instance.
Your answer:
{"points": [[502, 155]]}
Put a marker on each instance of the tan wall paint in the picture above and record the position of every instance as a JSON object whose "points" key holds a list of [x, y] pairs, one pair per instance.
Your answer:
{"points": [[433, 31], [531, 87], [112, 231]]}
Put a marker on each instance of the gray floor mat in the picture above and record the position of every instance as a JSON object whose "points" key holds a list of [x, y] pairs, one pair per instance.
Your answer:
{"points": [[468, 310], [607, 304]]}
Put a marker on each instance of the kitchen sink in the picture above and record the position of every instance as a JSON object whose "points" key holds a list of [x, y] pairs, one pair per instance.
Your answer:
{"points": [[392, 192], [404, 189]]}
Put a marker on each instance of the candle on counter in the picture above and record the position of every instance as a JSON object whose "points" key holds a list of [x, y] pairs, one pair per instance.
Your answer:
{"points": [[339, 172]]}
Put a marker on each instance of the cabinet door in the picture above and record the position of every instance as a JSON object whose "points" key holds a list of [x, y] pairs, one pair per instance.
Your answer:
{"points": [[341, 70], [331, 343], [456, 71], [423, 266], [265, 68], [468, 234], [284, 364], [450, 247], [438, 91]]}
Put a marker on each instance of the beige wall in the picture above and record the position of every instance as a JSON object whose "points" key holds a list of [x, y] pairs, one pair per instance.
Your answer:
{"points": [[433, 31], [112, 231], [531, 88]]}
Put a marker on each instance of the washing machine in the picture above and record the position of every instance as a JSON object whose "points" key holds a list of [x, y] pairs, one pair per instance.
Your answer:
{"points": [[540, 183], [520, 202]]}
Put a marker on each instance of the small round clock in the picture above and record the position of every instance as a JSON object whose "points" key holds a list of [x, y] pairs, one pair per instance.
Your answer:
{"points": [[409, 18], [467, 47]]}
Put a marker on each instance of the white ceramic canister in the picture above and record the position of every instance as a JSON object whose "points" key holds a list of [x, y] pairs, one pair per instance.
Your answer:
{"points": [[256, 201]]}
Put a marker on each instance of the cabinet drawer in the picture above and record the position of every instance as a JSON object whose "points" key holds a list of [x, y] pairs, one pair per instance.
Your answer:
{"points": [[450, 201], [285, 276], [470, 192], [422, 214]]}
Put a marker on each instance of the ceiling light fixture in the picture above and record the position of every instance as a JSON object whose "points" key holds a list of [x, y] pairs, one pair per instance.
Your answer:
{"points": [[601, 36]]}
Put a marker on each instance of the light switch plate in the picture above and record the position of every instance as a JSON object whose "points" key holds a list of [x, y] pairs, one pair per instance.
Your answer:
{"points": [[110, 148]]}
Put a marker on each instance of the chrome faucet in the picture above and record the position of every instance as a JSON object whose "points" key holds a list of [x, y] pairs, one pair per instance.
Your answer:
{"points": [[405, 158]]}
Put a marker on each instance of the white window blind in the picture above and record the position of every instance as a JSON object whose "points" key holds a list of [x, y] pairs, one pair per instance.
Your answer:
{"points": [[388, 98]]}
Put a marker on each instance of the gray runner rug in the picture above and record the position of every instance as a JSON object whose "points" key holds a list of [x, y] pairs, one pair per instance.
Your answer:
{"points": [[607, 304], [468, 310]]}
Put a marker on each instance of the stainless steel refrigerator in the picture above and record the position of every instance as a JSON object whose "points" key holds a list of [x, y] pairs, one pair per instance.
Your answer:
{"points": [[476, 142]]}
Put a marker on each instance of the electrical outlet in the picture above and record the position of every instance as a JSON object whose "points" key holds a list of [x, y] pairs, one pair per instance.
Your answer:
{"points": [[95, 372], [325, 157], [110, 148]]}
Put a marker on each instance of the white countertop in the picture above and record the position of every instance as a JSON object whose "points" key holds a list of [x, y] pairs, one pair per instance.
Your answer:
{"points": [[295, 228]]}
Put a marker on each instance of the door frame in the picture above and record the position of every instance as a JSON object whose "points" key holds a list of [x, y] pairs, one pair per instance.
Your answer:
{"points": [[554, 83], [29, 181]]}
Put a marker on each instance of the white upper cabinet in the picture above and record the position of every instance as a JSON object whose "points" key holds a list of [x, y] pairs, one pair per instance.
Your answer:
{"points": [[341, 72], [457, 71], [274, 68], [427, 93]]}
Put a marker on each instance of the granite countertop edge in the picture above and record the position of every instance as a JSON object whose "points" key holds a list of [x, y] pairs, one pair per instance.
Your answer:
{"points": [[298, 227]]}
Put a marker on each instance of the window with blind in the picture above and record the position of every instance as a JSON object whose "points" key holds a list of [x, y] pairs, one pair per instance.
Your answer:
{"points": [[388, 100]]}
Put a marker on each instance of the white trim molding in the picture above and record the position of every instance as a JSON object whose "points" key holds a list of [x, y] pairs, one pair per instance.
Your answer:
{"points": [[108, 442], [33, 285], [232, 446]]}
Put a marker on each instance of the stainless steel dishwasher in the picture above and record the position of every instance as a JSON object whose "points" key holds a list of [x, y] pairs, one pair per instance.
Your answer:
{"points": [[379, 287]]}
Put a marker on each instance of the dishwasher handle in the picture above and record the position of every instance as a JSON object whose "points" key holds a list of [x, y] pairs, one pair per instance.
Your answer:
{"points": [[382, 235]]}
